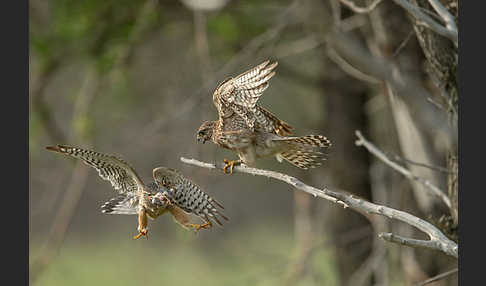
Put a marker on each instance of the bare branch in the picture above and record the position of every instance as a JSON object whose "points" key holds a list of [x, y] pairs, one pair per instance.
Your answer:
{"points": [[357, 9], [390, 237], [437, 277], [426, 21], [282, 177], [404, 171], [437, 238]]}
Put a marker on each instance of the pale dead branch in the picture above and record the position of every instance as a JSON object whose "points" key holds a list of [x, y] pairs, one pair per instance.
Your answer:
{"points": [[437, 241], [402, 170]]}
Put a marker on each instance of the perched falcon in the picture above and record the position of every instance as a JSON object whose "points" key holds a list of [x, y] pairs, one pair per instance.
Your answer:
{"points": [[254, 132], [170, 192]]}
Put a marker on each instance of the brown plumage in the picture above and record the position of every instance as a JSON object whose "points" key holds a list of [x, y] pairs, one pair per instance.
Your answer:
{"points": [[251, 130], [237, 97], [151, 200]]}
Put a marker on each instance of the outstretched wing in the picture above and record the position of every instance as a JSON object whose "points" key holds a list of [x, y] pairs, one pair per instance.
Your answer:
{"points": [[240, 94], [187, 195], [121, 176], [122, 204]]}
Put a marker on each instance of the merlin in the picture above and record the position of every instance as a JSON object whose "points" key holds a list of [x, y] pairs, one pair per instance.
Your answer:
{"points": [[169, 192], [254, 132]]}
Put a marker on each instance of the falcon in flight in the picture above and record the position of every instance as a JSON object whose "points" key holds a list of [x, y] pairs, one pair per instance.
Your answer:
{"points": [[170, 192], [252, 131]]}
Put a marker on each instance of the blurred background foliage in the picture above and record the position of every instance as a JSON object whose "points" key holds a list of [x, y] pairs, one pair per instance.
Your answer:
{"points": [[135, 78]]}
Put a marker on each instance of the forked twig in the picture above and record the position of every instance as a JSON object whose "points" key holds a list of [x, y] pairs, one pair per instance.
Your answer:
{"points": [[437, 241]]}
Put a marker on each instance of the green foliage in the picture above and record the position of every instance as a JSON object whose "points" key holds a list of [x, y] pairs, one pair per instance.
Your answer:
{"points": [[225, 27]]}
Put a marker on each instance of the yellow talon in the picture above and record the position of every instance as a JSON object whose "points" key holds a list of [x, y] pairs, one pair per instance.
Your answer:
{"points": [[142, 232], [206, 225], [229, 164]]}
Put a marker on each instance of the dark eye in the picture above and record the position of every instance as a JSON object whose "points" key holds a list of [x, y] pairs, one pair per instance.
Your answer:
{"points": [[201, 133]]}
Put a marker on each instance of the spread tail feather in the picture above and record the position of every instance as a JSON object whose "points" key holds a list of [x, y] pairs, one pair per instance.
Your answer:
{"points": [[304, 158], [308, 141], [302, 151]]}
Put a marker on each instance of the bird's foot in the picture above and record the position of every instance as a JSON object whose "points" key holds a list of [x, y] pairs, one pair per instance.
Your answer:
{"points": [[197, 227], [230, 164], [141, 233]]}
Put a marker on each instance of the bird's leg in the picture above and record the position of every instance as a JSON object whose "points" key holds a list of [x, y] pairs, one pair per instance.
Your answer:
{"points": [[142, 224], [231, 165], [183, 219], [197, 227]]}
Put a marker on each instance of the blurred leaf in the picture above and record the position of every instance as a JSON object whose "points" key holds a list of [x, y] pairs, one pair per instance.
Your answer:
{"points": [[224, 26]]}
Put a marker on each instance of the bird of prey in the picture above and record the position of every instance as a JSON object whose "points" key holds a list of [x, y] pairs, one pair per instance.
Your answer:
{"points": [[252, 131], [170, 192]]}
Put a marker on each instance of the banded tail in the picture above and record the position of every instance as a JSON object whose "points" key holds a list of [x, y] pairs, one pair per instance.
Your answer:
{"points": [[193, 200], [302, 152]]}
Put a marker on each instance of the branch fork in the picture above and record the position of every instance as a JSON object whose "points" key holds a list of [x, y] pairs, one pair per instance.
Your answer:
{"points": [[437, 241]]}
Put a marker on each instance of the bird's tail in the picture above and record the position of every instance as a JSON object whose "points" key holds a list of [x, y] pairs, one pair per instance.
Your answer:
{"points": [[303, 151], [193, 200]]}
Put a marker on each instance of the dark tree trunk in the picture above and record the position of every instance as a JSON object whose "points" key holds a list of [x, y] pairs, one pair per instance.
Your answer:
{"points": [[344, 113]]}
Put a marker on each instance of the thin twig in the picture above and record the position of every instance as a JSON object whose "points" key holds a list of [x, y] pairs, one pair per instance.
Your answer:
{"points": [[390, 237], [351, 5], [437, 277], [438, 240], [404, 171]]}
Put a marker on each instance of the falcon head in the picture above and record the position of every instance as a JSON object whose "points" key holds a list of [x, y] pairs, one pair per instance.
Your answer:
{"points": [[205, 132]]}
